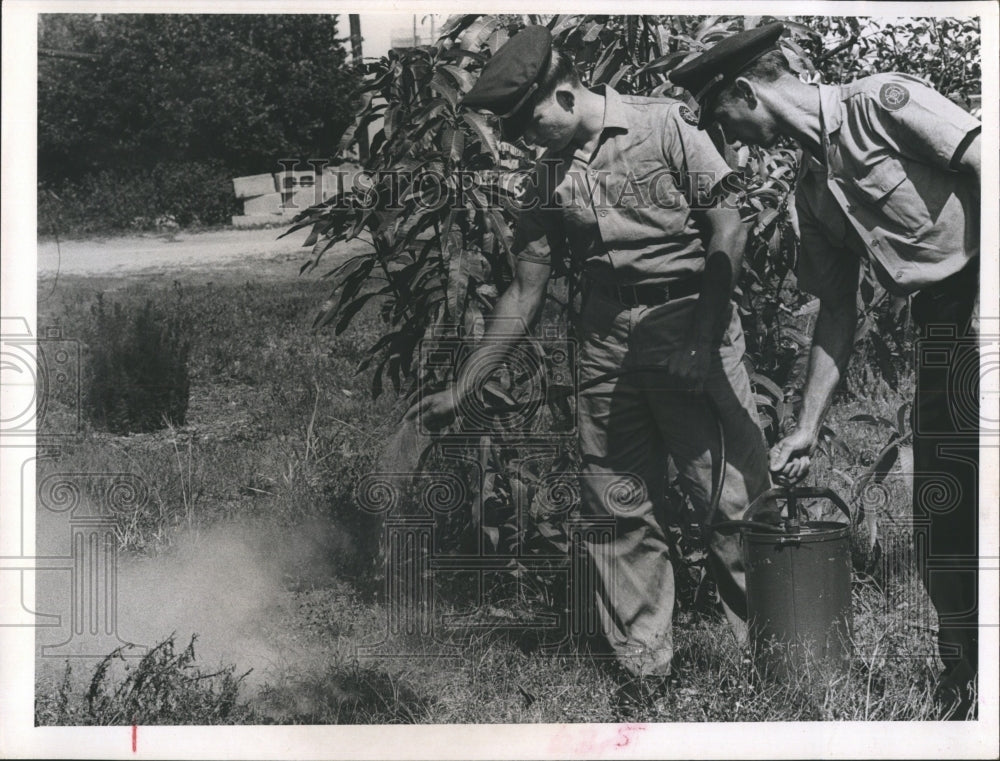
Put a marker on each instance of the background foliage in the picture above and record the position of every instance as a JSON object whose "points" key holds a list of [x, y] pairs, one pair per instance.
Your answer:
{"points": [[169, 195], [144, 97]]}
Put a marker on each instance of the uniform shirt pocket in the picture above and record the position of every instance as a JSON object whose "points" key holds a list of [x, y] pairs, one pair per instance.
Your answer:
{"points": [[886, 190]]}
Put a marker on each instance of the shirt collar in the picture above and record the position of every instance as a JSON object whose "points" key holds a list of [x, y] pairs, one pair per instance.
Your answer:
{"points": [[615, 113], [830, 108], [615, 118], [831, 117]]}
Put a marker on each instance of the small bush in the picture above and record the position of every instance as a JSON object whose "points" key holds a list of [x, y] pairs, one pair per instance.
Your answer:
{"points": [[137, 377]]}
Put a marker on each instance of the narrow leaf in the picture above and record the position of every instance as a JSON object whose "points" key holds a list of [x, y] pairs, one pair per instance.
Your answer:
{"points": [[462, 78], [902, 417], [444, 89], [347, 314], [484, 133]]}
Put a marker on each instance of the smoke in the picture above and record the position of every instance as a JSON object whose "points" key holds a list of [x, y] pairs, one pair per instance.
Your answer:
{"points": [[223, 585], [231, 585]]}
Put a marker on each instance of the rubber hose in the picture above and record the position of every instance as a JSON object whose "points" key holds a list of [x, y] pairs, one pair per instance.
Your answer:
{"points": [[720, 477]]}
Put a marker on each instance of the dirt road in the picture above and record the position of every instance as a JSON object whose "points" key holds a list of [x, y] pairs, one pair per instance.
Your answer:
{"points": [[259, 250]]}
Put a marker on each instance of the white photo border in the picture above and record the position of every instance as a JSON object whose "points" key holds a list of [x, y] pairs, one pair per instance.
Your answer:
{"points": [[20, 738]]}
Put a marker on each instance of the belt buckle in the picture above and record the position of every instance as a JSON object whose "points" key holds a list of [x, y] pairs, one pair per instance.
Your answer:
{"points": [[627, 296]]}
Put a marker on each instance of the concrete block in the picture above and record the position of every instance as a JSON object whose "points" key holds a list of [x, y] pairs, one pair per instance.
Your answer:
{"points": [[294, 179], [253, 185], [305, 178], [264, 204], [293, 203], [258, 220]]}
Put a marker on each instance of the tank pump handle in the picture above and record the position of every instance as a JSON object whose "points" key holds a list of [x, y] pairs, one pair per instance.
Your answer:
{"points": [[792, 494]]}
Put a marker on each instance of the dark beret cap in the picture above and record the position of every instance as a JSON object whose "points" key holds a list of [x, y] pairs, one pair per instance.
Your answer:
{"points": [[510, 77], [706, 75]]}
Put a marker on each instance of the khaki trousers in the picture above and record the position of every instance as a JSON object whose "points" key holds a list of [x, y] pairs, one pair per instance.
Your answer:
{"points": [[628, 428]]}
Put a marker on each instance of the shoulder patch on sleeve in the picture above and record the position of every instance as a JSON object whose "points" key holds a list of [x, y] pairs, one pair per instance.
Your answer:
{"points": [[688, 116], [893, 96]]}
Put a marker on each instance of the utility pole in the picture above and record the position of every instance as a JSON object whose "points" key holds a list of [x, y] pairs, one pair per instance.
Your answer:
{"points": [[355, 39], [358, 59]]}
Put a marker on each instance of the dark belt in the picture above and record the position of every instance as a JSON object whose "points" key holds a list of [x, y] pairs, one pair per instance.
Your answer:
{"points": [[647, 295]]}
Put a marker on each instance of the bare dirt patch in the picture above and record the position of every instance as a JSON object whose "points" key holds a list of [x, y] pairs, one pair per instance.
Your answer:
{"points": [[251, 252]]}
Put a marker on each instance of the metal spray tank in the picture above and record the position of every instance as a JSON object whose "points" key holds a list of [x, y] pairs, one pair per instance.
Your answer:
{"points": [[798, 577]]}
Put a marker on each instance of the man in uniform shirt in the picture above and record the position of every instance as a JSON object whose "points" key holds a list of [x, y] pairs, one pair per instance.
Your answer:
{"points": [[890, 179], [625, 187]]}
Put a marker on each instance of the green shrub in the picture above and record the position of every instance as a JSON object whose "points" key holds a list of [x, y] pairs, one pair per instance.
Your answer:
{"points": [[186, 194], [137, 377]]}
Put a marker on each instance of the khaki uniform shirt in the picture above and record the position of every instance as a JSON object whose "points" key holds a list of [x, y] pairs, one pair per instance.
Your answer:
{"points": [[887, 189], [624, 211]]}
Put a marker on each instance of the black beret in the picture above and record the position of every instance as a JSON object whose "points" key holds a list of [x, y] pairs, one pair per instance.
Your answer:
{"points": [[706, 75], [510, 77]]}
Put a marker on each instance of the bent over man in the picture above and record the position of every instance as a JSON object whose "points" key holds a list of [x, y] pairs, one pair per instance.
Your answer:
{"points": [[626, 187], [890, 179]]}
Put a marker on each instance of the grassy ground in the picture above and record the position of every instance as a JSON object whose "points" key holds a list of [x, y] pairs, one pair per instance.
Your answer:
{"points": [[278, 431]]}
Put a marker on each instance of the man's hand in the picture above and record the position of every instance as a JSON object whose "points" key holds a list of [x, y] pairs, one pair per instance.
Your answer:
{"points": [[833, 340], [790, 457], [435, 411], [518, 306], [725, 236], [689, 365]]}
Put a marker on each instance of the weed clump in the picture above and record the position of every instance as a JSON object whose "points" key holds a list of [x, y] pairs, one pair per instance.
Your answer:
{"points": [[164, 687], [138, 368]]}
